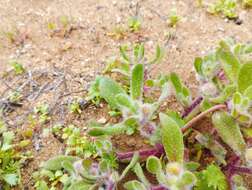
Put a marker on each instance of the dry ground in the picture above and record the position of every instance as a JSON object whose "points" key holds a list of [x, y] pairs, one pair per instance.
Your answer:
{"points": [[67, 64]]}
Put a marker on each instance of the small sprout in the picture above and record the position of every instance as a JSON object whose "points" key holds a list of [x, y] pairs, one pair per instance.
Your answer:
{"points": [[118, 33], [75, 107], [134, 24], [15, 97], [224, 7], [173, 18], [17, 67], [51, 26], [212, 177], [43, 111], [64, 20]]}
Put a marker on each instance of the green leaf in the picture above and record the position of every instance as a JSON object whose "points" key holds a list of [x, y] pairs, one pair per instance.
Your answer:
{"points": [[248, 92], [158, 55], [125, 101], [79, 185], [229, 131], [137, 80], [187, 179], [55, 163], [172, 138], [134, 185], [41, 185], [132, 163], [214, 178], [140, 174], [225, 94], [153, 165], [230, 64], [108, 89], [11, 179], [218, 151], [245, 77], [182, 92], [124, 54], [176, 117], [192, 166], [198, 65], [138, 52], [108, 130], [164, 93]]}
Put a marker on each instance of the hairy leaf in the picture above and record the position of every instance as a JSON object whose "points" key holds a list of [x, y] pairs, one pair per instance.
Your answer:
{"points": [[109, 89], [124, 101], [229, 131], [211, 179], [245, 77], [107, 130], [137, 80], [230, 64], [55, 163], [153, 165], [172, 138]]}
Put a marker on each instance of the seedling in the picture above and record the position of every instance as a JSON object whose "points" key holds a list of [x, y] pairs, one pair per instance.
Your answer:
{"points": [[75, 107], [10, 159], [173, 18], [43, 111], [76, 143], [15, 97], [224, 7], [134, 24], [17, 67]]}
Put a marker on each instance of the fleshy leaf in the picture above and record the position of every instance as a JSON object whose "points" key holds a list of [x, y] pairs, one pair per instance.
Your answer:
{"points": [[230, 64], [55, 163], [11, 179], [158, 55], [134, 185], [132, 163], [138, 52], [245, 77], [125, 101], [140, 174], [229, 131], [248, 92], [108, 130], [198, 65], [137, 80], [182, 92], [153, 165], [109, 89], [79, 185], [172, 138]]}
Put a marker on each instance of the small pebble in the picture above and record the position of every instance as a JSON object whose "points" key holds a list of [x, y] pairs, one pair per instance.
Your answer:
{"points": [[102, 120]]}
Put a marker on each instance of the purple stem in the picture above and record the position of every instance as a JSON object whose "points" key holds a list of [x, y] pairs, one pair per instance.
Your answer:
{"points": [[110, 185], [195, 102], [158, 150], [159, 187], [244, 170]]}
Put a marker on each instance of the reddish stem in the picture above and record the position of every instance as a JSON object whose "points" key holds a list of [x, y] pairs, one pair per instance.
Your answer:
{"points": [[202, 115]]}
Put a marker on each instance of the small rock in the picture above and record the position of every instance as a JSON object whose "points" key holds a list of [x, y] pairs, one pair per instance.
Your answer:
{"points": [[102, 120]]}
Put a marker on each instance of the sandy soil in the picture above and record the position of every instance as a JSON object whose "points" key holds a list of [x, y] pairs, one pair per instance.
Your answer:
{"points": [[74, 60]]}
